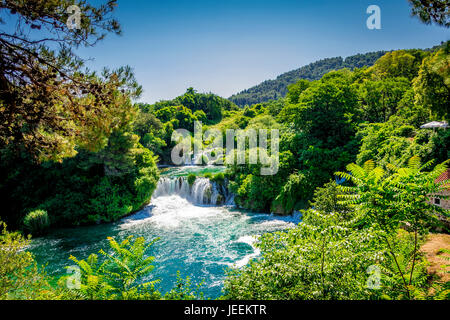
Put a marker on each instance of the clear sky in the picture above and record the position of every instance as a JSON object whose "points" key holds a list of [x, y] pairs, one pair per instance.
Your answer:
{"points": [[225, 46]]}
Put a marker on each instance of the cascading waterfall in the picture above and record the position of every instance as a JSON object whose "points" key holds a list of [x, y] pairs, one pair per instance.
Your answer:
{"points": [[172, 186], [202, 192], [199, 233]]}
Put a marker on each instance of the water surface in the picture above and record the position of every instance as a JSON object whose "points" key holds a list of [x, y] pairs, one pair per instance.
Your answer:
{"points": [[199, 241]]}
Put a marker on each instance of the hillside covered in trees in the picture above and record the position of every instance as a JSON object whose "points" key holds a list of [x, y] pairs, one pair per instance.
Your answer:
{"points": [[275, 89]]}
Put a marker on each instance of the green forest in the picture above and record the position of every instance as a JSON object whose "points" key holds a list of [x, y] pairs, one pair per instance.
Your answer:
{"points": [[275, 89], [77, 149]]}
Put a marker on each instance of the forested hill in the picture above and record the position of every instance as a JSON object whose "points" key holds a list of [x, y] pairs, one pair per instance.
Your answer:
{"points": [[274, 89]]}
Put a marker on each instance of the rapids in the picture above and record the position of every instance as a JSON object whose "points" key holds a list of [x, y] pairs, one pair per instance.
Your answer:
{"points": [[201, 233]]}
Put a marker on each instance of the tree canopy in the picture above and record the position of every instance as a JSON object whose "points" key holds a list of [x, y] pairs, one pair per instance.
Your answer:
{"points": [[49, 103], [430, 11]]}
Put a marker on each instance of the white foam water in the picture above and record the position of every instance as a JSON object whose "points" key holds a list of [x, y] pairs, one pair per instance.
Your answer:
{"points": [[201, 192], [199, 236], [250, 240]]}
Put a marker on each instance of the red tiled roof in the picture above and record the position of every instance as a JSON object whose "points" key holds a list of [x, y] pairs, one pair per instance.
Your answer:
{"points": [[443, 177]]}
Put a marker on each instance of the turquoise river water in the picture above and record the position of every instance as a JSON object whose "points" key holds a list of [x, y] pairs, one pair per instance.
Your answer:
{"points": [[198, 237]]}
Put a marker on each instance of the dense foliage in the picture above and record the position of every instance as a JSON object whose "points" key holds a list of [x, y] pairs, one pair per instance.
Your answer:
{"points": [[352, 249], [275, 89], [66, 140], [367, 114], [429, 11], [157, 122], [20, 276], [49, 103], [360, 239]]}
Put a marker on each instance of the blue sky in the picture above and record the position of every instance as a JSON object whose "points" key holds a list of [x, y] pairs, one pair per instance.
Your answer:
{"points": [[225, 46]]}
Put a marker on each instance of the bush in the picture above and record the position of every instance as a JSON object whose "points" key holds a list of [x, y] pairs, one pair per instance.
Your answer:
{"points": [[191, 179], [218, 178], [308, 262], [37, 222], [20, 276], [208, 175], [291, 196], [124, 275], [109, 202]]}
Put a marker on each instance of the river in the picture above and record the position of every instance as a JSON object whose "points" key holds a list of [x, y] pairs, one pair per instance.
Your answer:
{"points": [[198, 237]]}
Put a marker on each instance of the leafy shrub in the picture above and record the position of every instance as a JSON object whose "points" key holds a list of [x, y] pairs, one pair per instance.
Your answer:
{"points": [[218, 178], [326, 199], [109, 202], [183, 290], [122, 274], [334, 255], [208, 175], [308, 262], [145, 184], [191, 179], [293, 192], [37, 222], [20, 276], [119, 275]]}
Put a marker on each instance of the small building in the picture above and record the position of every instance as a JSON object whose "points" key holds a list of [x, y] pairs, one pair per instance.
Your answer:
{"points": [[435, 124], [443, 203]]}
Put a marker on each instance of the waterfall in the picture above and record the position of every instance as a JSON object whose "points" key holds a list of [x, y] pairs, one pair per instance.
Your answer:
{"points": [[202, 192]]}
